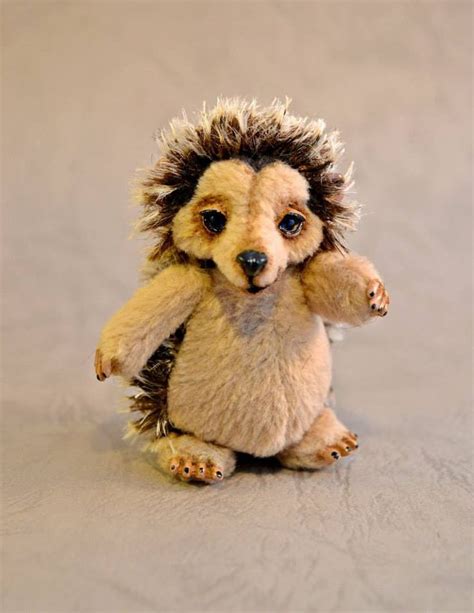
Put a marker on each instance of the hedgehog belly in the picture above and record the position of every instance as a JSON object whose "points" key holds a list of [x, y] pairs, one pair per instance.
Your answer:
{"points": [[254, 384]]}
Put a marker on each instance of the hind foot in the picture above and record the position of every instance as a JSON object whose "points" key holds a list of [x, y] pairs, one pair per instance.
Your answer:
{"points": [[187, 458], [326, 441]]}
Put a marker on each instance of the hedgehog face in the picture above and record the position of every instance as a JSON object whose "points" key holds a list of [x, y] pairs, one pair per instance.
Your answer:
{"points": [[252, 224]]}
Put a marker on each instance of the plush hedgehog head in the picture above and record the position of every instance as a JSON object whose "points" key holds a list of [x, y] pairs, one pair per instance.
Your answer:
{"points": [[251, 190]]}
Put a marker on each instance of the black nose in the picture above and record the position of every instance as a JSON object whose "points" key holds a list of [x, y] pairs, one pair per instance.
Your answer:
{"points": [[252, 262]]}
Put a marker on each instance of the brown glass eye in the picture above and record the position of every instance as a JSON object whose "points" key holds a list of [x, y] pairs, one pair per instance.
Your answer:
{"points": [[291, 224], [213, 221]]}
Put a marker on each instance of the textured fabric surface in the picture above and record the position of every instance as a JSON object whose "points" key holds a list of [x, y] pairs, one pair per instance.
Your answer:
{"points": [[88, 523]]}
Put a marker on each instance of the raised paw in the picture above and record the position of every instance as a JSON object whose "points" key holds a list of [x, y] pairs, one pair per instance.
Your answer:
{"points": [[340, 448], [192, 468], [378, 298]]}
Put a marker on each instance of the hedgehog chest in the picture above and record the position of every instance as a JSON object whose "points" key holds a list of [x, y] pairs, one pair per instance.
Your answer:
{"points": [[250, 374]]}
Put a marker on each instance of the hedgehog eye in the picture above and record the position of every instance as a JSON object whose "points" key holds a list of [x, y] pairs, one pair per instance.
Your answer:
{"points": [[213, 221], [291, 224]]}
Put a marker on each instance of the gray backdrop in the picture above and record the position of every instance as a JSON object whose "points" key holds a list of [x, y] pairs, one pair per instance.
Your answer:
{"points": [[88, 523]]}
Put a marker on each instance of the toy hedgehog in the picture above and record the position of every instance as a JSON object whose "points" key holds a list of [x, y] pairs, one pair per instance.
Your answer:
{"points": [[226, 341]]}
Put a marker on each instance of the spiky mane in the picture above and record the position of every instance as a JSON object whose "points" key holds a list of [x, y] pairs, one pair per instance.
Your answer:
{"points": [[240, 129]]}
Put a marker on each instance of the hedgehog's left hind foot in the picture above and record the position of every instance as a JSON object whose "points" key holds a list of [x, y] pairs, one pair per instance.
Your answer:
{"points": [[187, 458]]}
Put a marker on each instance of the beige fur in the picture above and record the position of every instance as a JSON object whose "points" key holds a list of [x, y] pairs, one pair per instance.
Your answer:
{"points": [[253, 372]]}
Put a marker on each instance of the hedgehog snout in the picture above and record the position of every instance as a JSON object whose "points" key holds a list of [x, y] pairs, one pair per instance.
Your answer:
{"points": [[252, 262]]}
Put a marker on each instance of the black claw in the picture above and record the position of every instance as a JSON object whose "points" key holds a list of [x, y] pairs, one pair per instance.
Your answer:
{"points": [[219, 475], [335, 455], [98, 378]]}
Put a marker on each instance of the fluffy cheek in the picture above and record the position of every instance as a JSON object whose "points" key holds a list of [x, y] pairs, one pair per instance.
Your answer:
{"points": [[307, 243], [224, 253], [230, 270], [190, 236]]}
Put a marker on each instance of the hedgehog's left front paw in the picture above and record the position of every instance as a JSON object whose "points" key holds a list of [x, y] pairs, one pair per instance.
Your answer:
{"points": [[378, 298]]}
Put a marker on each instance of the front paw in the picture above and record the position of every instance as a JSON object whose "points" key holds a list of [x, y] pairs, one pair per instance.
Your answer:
{"points": [[115, 356], [378, 298], [119, 354], [106, 363]]}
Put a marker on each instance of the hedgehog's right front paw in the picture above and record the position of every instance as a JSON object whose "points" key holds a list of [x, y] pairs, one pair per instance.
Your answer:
{"points": [[106, 364], [119, 354], [112, 356]]}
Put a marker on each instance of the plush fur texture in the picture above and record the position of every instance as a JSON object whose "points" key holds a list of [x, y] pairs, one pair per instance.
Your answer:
{"points": [[249, 368]]}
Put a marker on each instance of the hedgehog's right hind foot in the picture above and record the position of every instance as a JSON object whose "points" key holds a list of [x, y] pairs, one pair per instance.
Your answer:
{"points": [[187, 458]]}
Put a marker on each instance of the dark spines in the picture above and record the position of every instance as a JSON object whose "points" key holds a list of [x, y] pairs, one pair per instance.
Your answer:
{"points": [[151, 399]]}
